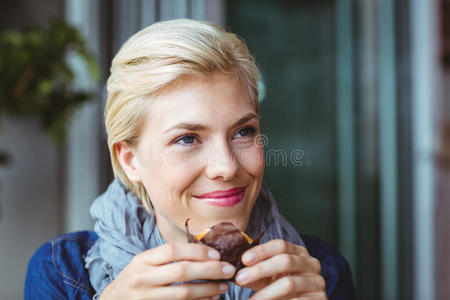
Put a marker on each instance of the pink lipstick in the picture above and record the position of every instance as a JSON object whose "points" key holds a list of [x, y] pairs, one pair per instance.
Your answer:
{"points": [[223, 198]]}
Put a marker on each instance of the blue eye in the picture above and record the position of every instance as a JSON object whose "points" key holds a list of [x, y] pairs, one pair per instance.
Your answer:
{"points": [[247, 131], [186, 140]]}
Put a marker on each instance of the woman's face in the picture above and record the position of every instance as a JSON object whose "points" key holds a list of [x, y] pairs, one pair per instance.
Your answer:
{"points": [[200, 137]]}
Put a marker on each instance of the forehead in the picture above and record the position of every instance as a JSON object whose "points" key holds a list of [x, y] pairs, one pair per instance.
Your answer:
{"points": [[217, 100]]}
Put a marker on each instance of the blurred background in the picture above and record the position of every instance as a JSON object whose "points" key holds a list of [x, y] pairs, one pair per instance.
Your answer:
{"points": [[357, 91]]}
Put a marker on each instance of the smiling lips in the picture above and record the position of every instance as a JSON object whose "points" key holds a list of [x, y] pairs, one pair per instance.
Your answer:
{"points": [[223, 198]]}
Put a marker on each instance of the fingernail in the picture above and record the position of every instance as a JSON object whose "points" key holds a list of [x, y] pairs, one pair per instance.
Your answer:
{"points": [[213, 254], [248, 257], [223, 286], [242, 276], [216, 297], [228, 270]]}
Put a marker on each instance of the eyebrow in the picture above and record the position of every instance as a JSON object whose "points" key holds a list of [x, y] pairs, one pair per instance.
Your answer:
{"points": [[200, 127]]}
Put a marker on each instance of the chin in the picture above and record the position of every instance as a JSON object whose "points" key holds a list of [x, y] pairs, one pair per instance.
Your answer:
{"points": [[240, 223], [201, 223]]}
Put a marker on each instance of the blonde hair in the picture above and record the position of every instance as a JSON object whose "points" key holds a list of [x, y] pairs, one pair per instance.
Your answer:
{"points": [[156, 58]]}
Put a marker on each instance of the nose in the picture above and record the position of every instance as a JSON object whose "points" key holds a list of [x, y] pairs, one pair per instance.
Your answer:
{"points": [[222, 163]]}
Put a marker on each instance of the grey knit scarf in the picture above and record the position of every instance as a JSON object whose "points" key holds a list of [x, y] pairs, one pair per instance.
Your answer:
{"points": [[125, 229]]}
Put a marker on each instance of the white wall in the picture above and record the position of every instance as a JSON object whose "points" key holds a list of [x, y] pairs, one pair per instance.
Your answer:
{"points": [[30, 199], [31, 194], [425, 93], [84, 135]]}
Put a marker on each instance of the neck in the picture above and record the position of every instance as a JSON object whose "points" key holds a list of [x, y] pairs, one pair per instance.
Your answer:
{"points": [[169, 231]]}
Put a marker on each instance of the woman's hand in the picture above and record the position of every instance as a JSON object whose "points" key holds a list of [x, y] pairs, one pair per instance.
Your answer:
{"points": [[281, 270], [150, 274]]}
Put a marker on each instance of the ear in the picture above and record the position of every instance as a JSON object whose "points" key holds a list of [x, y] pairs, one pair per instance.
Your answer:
{"points": [[128, 159]]}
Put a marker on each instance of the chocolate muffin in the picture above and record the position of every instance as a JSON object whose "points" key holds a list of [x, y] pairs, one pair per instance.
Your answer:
{"points": [[226, 238]]}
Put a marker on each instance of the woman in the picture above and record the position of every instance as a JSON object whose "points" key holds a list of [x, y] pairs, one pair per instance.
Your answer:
{"points": [[182, 119]]}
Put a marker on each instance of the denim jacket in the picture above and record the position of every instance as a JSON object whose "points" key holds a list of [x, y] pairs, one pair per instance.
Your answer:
{"points": [[56, 270]]}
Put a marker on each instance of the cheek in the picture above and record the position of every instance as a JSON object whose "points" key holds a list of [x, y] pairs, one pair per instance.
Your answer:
{"points": [[178, 171], [168, 176], [252, 160]]}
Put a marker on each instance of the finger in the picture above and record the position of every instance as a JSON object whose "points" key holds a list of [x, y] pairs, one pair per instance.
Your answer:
{"points": [[188, 291], [305, 297], [292, 285], [188, 271], [310, 296], [173, 252], [271, 248], [257, 285], [278, 264]]}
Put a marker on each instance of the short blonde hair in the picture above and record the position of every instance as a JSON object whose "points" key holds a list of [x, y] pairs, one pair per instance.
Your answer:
{"points": [[156, 58]]}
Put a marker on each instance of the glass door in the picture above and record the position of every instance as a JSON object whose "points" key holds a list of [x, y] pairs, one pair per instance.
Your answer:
{"points": [[333, 128]]}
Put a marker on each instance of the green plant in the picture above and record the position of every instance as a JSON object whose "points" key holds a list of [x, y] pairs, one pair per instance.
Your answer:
{"points": [[36, 79]]}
